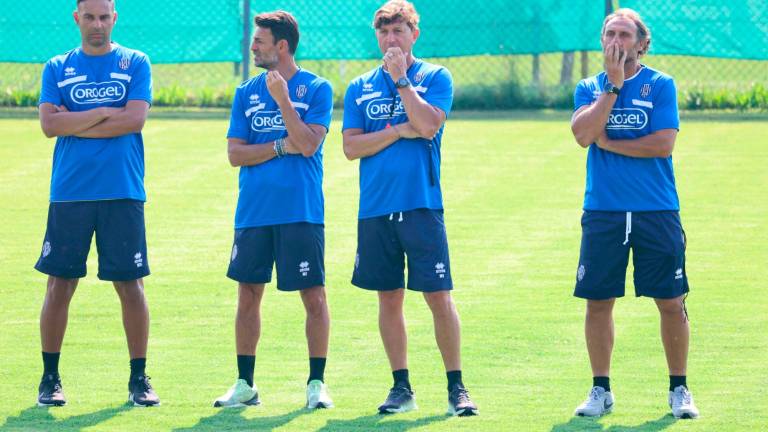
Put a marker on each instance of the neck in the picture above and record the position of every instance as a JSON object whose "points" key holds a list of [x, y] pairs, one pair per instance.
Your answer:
{"points": [[631, 68], [96, 51], [287, 68]]}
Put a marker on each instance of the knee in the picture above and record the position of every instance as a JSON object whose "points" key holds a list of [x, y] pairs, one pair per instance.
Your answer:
{"points": [[60, 290], [315, 301], [599, 307], [130, 290], [391, 300], [249, 295], [440, 303], [670, 306]]}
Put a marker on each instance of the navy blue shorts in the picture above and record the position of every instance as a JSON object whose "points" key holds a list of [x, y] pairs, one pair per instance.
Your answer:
{"points": [[121, 239], [383, 242], [657, 241], [296, 249]]}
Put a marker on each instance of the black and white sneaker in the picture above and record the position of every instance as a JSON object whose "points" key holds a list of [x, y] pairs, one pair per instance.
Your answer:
{"points": [[459, 403], [399, 400], [50, 392], [140, 392]]}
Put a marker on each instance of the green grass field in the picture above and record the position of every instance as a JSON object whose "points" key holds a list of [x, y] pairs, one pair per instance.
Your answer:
{"points": [[513, 186]]}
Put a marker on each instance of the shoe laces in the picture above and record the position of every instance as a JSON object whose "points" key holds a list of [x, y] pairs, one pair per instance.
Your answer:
{"points": [[461, 394], [686, 396], [142, 383], [594, 394], [396, 392], [53, 382]]}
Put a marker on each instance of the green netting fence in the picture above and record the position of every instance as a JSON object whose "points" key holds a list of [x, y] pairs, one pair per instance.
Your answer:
{"points": [[502, 53]]}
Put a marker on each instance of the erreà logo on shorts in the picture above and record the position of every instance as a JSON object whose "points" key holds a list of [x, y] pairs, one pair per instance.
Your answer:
{"points": [[91, 93], [380, 109], [627, 118], [267, 121]]}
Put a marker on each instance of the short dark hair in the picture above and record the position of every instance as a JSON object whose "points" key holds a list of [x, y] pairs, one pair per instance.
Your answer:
{"points": [[283, 26]]}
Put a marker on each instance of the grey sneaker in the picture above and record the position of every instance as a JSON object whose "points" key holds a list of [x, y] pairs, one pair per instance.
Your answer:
{"points": [[459, 403], [317, 395], [599, 402], [399, 400], [141, 393], [239, 395], [681, 402]]}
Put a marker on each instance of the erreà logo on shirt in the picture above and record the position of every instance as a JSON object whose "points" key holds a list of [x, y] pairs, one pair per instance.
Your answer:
{"points": [[93, 92], [267, 121], [627, 118], [381, 109]]}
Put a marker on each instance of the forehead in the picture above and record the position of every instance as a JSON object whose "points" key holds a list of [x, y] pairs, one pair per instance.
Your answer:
{"points": [[96, 7], [263, 33], [620, 24], [399, 24]]}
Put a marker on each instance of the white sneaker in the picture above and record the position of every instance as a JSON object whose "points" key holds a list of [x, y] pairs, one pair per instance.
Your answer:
{"points": [[317, 395], [681, 402], [598, 402], [239, 395]]}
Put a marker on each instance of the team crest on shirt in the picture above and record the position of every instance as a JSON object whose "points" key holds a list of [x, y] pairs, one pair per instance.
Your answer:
{"points": [[70, 71], [254, 98], [645, 90], [124, 63], [301, 90], [419, 76]]}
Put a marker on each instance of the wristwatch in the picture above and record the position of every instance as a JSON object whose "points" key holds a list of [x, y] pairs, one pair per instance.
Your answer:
{"points": [[610, 88], [402, 83]]}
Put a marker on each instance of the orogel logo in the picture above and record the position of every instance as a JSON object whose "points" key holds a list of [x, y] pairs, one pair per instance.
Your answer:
{"points": [[381, 109], [90, 93], [267, 121], [627, 118]]}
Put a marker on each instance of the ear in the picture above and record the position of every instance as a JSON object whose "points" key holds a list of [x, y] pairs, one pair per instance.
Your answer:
{"points": [[76, 17], [282, 44], [114, 19], [416, 34]]}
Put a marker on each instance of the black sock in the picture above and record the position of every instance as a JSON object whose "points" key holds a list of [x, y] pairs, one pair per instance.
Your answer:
{"points": [[245, 366], [454, 379], [400, 377], [137, 366], [51, 363], [603, 382], [316, 369], [677, 380]]}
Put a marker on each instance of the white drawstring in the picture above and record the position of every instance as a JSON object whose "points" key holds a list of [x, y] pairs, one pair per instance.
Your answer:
{"points": [[392, 215], [401, 217], [628, 229]]}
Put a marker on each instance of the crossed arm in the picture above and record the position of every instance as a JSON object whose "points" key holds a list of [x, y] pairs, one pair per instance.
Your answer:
{"points": [[306, 143], [588, 126], [424, 120], [103, 122]]}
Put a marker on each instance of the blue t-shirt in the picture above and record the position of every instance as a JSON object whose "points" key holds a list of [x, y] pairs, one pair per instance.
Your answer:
{"points": [[405, 175], [287, 189], [90, 169], [647, 103]]}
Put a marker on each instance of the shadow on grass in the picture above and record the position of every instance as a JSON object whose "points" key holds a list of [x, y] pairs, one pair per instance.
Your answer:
{"points": [[592, 424], [231, 419], [367, 423], [40, 418]]}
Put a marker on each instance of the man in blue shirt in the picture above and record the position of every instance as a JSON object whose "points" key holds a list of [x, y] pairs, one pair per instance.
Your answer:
{"points": [[393, 123], [278, 124], [95, 100], [627, 117]]}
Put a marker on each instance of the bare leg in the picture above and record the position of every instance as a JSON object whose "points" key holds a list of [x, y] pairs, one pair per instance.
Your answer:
{"points": [[135, 316], [318, 321], [675, 334], [248, 319], [53, 316], [392, 327], [447, 327], [599, 333]]}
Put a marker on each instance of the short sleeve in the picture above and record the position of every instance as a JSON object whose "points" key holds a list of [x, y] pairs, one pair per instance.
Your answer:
{"points": [[238, 122], [141, 81], [582, 95], [49, 92], [321, 106], [440, 91], [353, 116], [664, 114]]}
